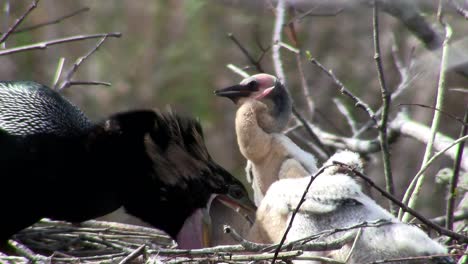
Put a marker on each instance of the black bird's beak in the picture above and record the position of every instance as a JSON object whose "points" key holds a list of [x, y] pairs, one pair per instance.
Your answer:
{"points": [[243, 206], [235, 92]]}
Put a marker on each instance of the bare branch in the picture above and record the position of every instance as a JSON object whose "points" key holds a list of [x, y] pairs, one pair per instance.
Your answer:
{"points": [[404, 72], [435, 121], [238, 70], [135, 254], [403, 124], [358, 102], [452, 192], [346, 114], [18, 21], [58, 72], [460, 10], [386, 99], [309, 130], [255, 63], [71, 83], [427, 222], [67, 82], [454, 117], [55, 21], [278, 28], [46, 44]]}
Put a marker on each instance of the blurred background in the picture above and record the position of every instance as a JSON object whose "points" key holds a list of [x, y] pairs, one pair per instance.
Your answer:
{"points": [[174, 54]]}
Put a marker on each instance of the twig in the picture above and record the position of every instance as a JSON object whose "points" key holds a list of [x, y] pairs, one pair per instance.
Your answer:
{"points": [[457, 216], [460, 10], [6, 20], [136, 253], [456, 118], [251, 59], [452, 192], [296, 210], [45, 44], [427, 222], [279, 23], [67, 82], [407, 127], [346, 114], [354, 245], [426, 165], [404, 72], [354, 144], [55, 21], [18, 21], [305, 86], [416, 259], [58, 72], [386, 99], [315, 138], [358, 102], [237, 70], [435, 121], [310, 12]]}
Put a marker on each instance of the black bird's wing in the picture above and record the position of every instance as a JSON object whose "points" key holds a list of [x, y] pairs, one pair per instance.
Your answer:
{"points": [[28, 108]]}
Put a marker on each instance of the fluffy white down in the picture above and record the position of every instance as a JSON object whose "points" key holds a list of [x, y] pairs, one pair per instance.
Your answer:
{"points": [[336, 201], [306, 159]]}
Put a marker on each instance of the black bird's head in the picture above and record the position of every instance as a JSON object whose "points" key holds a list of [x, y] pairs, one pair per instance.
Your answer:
{"points": [[265, 88], [177, 176]]}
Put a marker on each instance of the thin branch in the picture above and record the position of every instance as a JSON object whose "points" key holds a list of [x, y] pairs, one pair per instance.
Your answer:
{"points": [[456, 118], [238, 70], [278, 27], [405, 81], [58, 72], [358, 102], [5, 20], [309, 130], [136, 253], [46, 44], [18, 21], [346, 114], [407, 127], [457, 216], [78, 62], [452, 193], [435, 121], [424, 168], [300, 67], [354, 245], [460, 10], [427, 222], [247, 54], [386, 99], [310, 12], [71, 83], [55, 21], [296, 210]]}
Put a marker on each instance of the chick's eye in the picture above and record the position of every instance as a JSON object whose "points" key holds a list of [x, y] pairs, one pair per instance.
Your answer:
{"points": [[253, 85], [236, 192]]}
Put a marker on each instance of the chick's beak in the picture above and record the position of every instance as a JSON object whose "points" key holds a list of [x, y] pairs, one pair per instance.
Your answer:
{"points": [[234, 92]]}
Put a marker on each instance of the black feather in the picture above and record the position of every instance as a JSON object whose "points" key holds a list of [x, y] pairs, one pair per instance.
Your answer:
{"points": [[154, 164]]}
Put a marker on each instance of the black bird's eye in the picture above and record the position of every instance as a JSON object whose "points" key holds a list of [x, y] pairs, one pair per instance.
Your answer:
{"points": [[253, 85], [236, 192]]}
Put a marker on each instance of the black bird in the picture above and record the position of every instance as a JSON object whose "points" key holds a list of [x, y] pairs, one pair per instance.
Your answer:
{"points": [[56, 163]]}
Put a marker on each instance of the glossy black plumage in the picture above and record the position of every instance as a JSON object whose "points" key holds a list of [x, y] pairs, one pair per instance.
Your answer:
{"points": [[154, 164]]}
